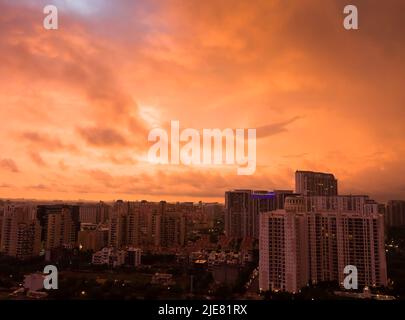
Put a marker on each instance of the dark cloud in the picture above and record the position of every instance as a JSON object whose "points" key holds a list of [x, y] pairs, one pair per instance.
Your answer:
{"points": [[103, 137], [275, 128], [6, 186], [37, 159], [40, 187], [9, 165], [47, 142]]}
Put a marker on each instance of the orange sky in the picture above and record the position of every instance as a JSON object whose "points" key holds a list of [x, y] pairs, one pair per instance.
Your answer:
{"points": [[77, 104]]}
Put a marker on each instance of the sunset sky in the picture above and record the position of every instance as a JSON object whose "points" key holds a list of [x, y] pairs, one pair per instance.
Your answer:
{"points": [[77, 103]]}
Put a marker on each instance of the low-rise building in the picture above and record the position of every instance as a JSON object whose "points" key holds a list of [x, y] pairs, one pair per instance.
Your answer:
{"points": [[109, 256]]}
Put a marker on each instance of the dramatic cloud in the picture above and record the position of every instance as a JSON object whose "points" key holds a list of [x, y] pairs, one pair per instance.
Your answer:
{"points": [[77, 103]]}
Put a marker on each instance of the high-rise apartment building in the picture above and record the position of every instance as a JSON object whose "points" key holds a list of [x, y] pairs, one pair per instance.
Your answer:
{"points": [[20, 232], [118, 224], [280, 262], [299, 246], [94, 213], [172, 226], [242, 209], [395, 213], [144, 223], [309, 183], [60, 225], [147, 225]]}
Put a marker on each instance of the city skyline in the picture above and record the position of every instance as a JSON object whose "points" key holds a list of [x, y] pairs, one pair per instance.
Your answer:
{"points": [[282, 240], [191, 158], [78, 102]]}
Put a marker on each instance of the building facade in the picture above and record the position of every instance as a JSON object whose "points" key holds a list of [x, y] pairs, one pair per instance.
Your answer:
{"points": [[60, 225], [298, 246], [243, 208], [395, 213], [21, 232], [309, 183]]}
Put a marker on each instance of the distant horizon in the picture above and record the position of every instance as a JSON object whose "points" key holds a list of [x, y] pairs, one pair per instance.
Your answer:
{"points": [[187, 199], [98, 201], [209, 198]]}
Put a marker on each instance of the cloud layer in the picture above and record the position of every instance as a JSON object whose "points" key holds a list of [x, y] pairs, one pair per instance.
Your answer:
{"points": [[77, 103]]}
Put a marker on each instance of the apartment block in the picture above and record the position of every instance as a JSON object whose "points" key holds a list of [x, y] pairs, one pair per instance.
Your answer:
{"points": [[309, 183], [20, 232], [299, 246], [243, 208]]}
